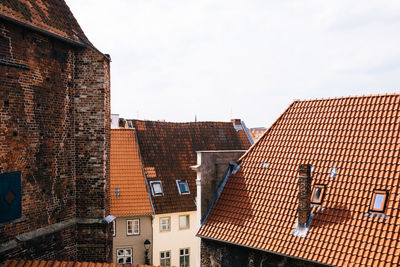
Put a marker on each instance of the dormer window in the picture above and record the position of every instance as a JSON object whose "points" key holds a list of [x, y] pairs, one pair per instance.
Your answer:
{"points": [[333, 172], [156, 188], [318, 194], [378, 202], [183, 187]]}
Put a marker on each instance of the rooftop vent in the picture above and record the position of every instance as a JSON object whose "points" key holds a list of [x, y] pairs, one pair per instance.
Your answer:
{"points": [[333, 172], [265, 165]]}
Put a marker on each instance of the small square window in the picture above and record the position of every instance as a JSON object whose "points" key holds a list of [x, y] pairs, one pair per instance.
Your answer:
{"points": [[318, 194], [183, 187], [133, 227], [10, 197], [333, 172], [165, 224], [156, 188], [124, 255], [378, 201], [184, 222]]}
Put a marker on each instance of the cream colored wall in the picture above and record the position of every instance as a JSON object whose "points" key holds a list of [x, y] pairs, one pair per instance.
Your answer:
{"points": [[122, 240], [175, 239]]}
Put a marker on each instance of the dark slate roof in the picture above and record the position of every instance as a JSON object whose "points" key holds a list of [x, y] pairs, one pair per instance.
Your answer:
{"points": [[50, 16], [360, 136], [169, 149]]}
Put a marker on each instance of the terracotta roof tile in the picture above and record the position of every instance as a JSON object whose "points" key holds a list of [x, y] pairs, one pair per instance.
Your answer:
{"points": [[48, 263], [127, 175], [169, 149], [358, 135], [52, 16]]}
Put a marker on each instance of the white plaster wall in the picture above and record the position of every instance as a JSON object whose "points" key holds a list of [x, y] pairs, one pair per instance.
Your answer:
{"points": [[175, 239]]}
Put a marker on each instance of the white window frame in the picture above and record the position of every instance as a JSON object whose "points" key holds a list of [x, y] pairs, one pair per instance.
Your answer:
{"points": [[184, 255], [161, 224], [179, 188], [187, 222], [133, 232], [165, 258], [152, 188], [126, 252]]}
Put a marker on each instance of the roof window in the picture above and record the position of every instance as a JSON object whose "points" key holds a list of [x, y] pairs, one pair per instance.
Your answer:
{"points": [[378, 202], [183, 187], [318, 194], [156, 188], [333, 172]]}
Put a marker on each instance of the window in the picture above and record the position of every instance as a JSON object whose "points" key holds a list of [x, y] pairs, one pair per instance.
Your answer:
{"points": [[165, 224], [184, 257], [333, 172], [183, 187], [378, 202], [10, 197], [113, 228], [165, 258], [156, 188], [184, 222], [133, 227], [124, 255], [317, 194]]}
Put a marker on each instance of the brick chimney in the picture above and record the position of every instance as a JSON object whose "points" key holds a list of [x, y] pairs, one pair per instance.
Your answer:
{"points": [[304, 208]]}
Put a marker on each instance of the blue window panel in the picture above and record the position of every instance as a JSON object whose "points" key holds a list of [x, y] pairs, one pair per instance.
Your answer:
{"points": [[10, 197]]}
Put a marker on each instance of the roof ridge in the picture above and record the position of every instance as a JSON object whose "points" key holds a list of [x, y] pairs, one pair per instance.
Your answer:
{"points": [[345, 97]]}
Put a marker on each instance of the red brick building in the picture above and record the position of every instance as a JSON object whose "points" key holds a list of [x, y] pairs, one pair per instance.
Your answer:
{"points": [[54, 136], [321, 187]]}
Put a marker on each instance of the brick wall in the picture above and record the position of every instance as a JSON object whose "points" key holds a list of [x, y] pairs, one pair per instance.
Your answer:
{"points": [[54, 128], [217, 254]]}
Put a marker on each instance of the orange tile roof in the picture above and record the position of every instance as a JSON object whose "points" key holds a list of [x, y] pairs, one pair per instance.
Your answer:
{"points": [[44, 263], [127, 175], [53, 17], [358, 135], [169, 149]]}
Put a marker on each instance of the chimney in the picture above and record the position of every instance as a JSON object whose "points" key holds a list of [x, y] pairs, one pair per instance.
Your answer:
{"points": [[114, 121], [304, 208]]}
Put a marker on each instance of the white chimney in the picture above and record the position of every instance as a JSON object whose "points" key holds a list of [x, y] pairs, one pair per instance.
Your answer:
{"points": [[114, 121]]}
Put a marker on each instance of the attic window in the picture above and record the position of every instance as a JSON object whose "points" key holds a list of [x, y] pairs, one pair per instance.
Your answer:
{"points": [[156, 188], [318, 194], [333, 172], [378, 202], [183, 187], [265, 165]]}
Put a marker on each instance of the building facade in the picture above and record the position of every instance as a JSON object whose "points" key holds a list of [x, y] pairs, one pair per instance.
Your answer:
{"points": [[54, 135]]}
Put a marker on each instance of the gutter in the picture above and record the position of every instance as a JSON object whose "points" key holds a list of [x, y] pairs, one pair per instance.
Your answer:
{"points": [[144, 173], [247, 133]]}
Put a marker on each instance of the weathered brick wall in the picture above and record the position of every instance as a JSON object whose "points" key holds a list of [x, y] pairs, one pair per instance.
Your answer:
{"points": [[54, 128], [217, 254], [92, 140]]}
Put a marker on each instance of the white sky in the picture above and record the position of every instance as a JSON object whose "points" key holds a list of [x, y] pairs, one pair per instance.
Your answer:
{"points": [[245, 59]]}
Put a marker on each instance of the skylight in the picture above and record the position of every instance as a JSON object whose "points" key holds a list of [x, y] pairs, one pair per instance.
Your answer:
{"points": [[156, 188], [378, 202], [183, 187], [318, 194], [333, 172]]}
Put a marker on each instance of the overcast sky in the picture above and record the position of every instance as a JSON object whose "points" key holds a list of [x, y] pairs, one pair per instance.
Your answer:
{"points": [[248, 59]]}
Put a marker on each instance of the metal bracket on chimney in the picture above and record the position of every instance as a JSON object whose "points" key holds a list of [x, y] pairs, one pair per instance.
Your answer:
{"points": [[302, 230]]}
